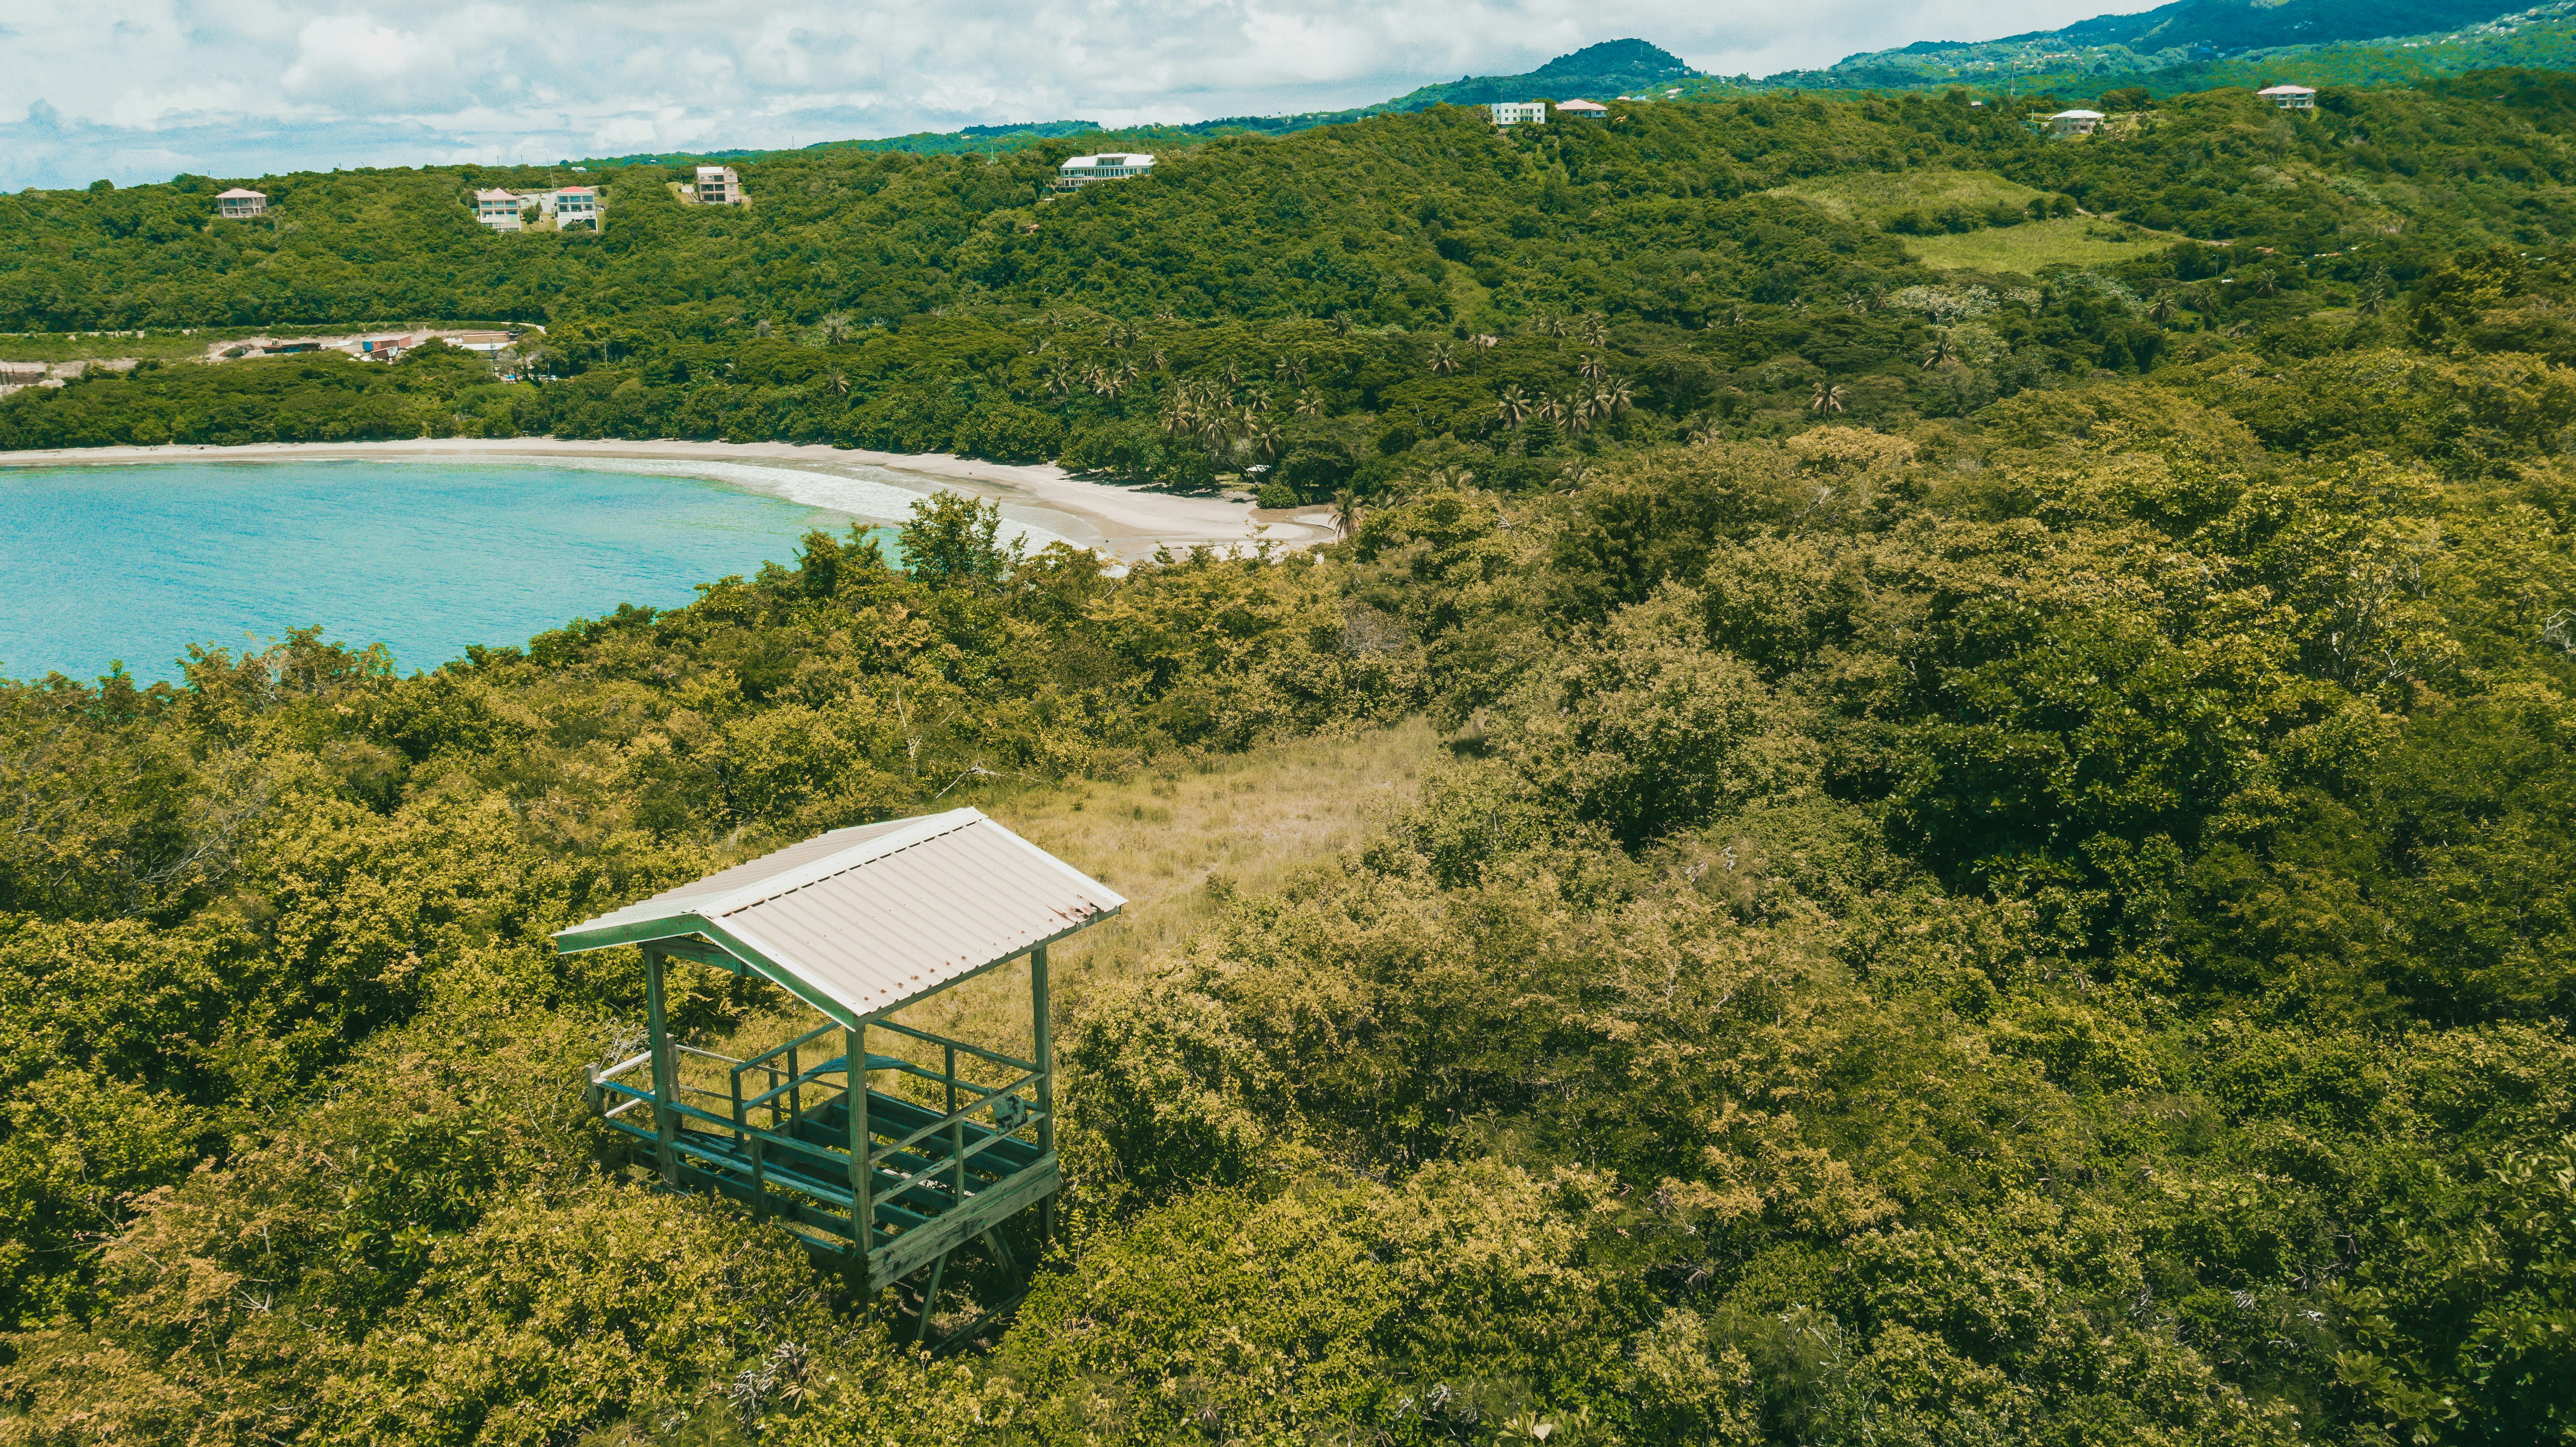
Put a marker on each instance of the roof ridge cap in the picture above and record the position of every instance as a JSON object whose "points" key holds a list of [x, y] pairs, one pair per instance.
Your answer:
{"points": [[918, 831]]}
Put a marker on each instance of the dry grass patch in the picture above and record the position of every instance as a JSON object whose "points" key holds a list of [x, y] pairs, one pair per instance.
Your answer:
{"points": [[1875, 196], [1175, 838]]}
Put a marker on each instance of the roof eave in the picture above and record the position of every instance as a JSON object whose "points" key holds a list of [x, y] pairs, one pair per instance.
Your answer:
{"points": [[745, 948]]}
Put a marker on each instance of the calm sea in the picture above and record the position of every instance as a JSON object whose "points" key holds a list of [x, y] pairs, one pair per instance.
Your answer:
{"points": [[99, 564]]}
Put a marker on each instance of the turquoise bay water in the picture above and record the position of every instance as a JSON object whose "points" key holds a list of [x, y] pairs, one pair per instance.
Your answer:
{"points": [[136, 563]]}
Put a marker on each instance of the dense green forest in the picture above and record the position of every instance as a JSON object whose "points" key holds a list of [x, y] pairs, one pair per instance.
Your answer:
{"points": [[1330, 304], [1999, 867]]}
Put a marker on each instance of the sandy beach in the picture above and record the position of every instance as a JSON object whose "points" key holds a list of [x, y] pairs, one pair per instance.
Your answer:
{"points": [[1044, 502]]}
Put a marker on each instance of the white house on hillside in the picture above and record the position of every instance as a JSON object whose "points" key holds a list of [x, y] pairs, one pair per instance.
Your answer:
{"points": [[500, 210], [1081, 171], [2074, 123], [718, 186], [240, 205], [2290, 97], [570, 206], [1583, 110], [1516, 112]]}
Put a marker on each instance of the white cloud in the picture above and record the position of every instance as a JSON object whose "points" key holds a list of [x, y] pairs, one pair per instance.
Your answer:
{"points": [[136, 89]]}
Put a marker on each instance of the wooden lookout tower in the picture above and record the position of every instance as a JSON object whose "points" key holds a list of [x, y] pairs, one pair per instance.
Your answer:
{"points": [[857, 924]]}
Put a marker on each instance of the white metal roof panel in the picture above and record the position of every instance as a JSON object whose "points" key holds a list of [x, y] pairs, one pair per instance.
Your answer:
{"points": [[875, 917]]}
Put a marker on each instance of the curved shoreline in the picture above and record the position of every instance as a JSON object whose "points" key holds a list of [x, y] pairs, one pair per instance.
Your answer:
{"points": [[1126, 524]]}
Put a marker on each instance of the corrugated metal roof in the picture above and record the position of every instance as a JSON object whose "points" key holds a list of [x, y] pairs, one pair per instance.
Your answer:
{"points": [[875, 917]]}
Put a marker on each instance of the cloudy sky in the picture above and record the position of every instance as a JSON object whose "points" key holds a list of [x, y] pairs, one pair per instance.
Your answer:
{"points": [[136, 90]]}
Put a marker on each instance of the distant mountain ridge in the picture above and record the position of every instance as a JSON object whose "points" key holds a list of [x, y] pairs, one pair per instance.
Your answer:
{"points": [[2173, 37], [2186, 45]]}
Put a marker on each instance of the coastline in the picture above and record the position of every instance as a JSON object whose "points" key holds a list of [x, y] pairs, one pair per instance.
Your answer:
{"points": [[1125, 524]]}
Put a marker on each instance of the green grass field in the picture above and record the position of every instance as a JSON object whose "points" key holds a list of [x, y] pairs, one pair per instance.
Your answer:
{"points": [[2067, 241]]}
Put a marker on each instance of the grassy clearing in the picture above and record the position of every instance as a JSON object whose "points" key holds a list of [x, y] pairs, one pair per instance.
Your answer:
{"points": [[1246, 822], [1874, 196], [2066, 241]]}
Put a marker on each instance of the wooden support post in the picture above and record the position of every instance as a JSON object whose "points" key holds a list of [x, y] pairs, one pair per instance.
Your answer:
{"points": [[759, 1171], [1044, 1057], [929, 1298], [863, 1209], [795, 1090], [666, 1075], [957, 1130]]}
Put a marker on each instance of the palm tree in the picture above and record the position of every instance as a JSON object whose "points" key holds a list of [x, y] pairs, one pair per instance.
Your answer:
{"points": [[2267, 283], [1310, 404], [1485, 341], [1346, 512], [1616, 397], [1292, 370], [1942, 351], [1829, 398], [1233, 376], [1513, 406], [2164, 310], [837, 382], [1554, 326], [2374, 294], [1442, 363], [1341, 324], [1596, 330], [1593, 368], [836, 329]]}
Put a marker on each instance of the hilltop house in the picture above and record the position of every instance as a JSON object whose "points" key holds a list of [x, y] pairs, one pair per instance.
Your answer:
{"points": [[2290, 97], [1583, 110], [1081, 171], [718, 186], [1515, 112], [2074, 123], [240, 205], [500, 210], [571, 206]]}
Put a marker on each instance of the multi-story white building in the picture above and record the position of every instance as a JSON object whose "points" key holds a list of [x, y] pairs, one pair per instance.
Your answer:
{"points": [[1081, 171], [718, 186], [1519, 112], [568, 206], [240, 205], [2290, 97], [500, 210]]}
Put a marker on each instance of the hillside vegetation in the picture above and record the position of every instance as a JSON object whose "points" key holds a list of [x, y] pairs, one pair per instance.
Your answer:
{"points": [[1340, 305], [1939, 856]]}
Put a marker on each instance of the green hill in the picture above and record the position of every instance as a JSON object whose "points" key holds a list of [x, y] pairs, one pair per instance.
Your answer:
{"points": [[1927, 800]]}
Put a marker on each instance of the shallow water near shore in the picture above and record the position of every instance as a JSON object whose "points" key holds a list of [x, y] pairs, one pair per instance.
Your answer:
{"points": [[108, 563]]}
